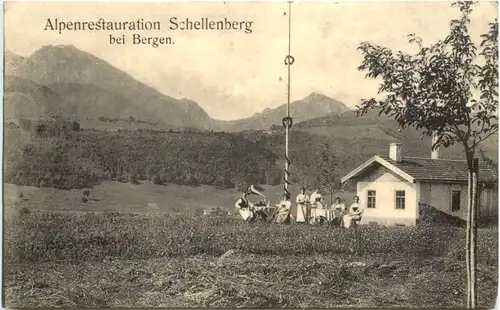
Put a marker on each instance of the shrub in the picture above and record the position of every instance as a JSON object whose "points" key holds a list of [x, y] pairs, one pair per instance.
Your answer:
{"points": [[156, 180]]}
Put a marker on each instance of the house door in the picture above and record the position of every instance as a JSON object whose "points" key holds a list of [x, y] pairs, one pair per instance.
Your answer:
{"points": [[485, 203]]}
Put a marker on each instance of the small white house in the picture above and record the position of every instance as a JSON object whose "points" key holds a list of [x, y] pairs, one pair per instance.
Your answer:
{"points": [[391, 188]]}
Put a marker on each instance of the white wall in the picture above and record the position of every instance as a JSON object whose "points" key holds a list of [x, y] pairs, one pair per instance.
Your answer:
{"points": [[438, 195], [386, 183]]}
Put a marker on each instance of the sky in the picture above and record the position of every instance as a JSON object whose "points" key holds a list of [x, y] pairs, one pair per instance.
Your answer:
{"points": [[233, 74]]}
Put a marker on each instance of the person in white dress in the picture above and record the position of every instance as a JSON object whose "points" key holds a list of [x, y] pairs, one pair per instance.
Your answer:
{"points": [[316, 204], [315, 195], [245, 207], [317, 199], [339, 209], [284, 208], [354, 215], [302, 201], [338, 205]]}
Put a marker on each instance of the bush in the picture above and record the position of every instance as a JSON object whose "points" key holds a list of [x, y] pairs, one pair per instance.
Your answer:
{"points": [[156, 180]]}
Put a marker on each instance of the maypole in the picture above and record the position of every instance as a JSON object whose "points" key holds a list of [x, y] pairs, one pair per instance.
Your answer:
{"points": [[287, 121]]}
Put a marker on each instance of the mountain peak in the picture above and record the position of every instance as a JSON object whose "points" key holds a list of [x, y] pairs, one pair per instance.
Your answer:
{"points": [[12, 54], [59, 47], [313, 106], [316, 96], [63, 51], [93, 87]]}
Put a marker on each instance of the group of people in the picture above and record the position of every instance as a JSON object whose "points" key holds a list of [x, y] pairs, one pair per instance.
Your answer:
{"points": [[249, 212], [308, 210], [308, 207]]}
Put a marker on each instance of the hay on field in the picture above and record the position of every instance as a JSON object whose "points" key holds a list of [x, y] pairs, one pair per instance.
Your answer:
{"points": [[249, 281], [159, 260]]}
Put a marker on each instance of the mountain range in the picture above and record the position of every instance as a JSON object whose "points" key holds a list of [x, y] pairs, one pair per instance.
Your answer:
{"points": [[312, 106], [65, 81], [90, 88]]}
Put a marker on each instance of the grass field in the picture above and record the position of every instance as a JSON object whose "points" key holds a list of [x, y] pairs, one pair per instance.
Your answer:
{"points": [[174, 259], [122, 197], [126, 197]]}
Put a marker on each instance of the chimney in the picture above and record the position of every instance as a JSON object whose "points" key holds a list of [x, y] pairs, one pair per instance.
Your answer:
{"points": [[434, 153], [395, 151]]}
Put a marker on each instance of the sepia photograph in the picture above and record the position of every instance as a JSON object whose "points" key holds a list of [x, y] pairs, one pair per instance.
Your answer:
{"points": [[250, 154]]}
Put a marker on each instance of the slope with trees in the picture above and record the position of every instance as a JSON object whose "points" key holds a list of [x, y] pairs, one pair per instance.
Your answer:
{"points": [[75, 159]]}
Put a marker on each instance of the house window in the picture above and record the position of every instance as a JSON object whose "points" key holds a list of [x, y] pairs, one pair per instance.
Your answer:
{"points": [[455, 200], [400, 200], [371, 199]]}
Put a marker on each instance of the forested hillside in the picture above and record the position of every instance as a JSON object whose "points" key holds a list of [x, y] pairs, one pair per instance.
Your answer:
{"points": [[73, 159], [57, 153]]}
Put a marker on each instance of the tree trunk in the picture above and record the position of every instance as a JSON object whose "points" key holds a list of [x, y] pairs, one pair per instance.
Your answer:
{"points": [[471, 233], [475, 196], [468, 237], [331, 196]]}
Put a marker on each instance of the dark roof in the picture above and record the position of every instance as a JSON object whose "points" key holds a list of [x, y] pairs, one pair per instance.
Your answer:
{"points": [[447, 170]]}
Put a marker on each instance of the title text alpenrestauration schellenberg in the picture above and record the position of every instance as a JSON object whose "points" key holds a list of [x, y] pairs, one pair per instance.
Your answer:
{"points": [[174, 24]]}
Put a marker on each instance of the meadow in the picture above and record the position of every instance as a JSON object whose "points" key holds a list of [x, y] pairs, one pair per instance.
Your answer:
{"points": [[132, 257], [149, 260]]}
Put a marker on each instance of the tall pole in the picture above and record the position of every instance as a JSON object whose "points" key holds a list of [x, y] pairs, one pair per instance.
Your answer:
{"points": [[287, 121]]}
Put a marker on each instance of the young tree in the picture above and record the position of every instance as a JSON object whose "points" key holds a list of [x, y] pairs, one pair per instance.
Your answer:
{"points": [[326, 173], [448, 89]]}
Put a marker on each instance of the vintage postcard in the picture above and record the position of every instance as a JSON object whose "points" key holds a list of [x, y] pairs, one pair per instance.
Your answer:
{"points": [[250, 154]]}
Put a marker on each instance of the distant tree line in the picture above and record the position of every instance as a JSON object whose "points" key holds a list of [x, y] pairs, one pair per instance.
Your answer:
{"points": [[50, 127], [83, 158], [130, 119], [63, 156]]}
